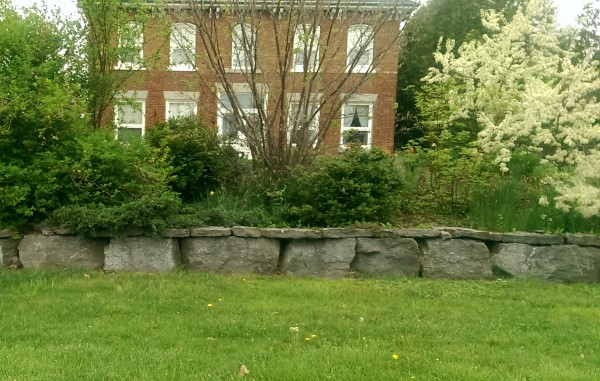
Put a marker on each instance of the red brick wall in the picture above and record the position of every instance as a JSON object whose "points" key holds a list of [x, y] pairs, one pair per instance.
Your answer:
{"points": [[156, 78]]}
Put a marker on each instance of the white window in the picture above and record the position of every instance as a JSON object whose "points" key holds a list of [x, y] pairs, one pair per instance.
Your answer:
{"points": [[181, 103], [360, 49], [306, 48], [357, 123], [131, 46], [243, 45], [303, 123], [183, 47], [230, 127], [130, 119], [179, 109]]}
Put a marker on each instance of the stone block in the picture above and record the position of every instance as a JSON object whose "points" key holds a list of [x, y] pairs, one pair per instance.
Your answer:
{"points": [[246, 232], [407, 233], [6, 233], [8, 250], [176, 233], [346, 233], [456, 259], [329, 258], [210, 231], [142, 254], [583, 239], [561, 263], [386, 257], [41, 252], [531, 238], [291, 233], [229, 255]]}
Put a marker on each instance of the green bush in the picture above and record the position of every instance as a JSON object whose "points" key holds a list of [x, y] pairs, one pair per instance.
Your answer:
{"points": [[357, 187], [200, 164], [118, 186]]}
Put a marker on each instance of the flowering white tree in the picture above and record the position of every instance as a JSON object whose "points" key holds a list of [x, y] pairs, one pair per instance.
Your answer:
{"points": [[526, 91]]}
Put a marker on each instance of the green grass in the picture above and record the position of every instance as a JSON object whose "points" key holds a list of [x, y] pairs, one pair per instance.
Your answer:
{"points": [[68, 326]]}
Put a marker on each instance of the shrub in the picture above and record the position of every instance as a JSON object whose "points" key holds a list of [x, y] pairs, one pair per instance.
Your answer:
{"points": [[118, 186], [200, 164], [358, 186]]}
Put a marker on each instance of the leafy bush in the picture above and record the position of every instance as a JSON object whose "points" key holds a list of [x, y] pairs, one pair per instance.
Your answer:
{"points": [[118, 186], [200, 163], [445, 169], [358, 186]]}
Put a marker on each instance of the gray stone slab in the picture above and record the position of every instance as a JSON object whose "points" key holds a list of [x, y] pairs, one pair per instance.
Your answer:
{"points": [[458, 232], [211, 231], [456, 259], [346, 233], [583, 239], [176, 233], [8, 250], [561, 263], [6, 233], [48, 231], [291, 233], [386, 257], [407, 233], [244, 231], [230, 255], [142, 254], [61, 252], [329, 258], [530, 238], [64, 231]]}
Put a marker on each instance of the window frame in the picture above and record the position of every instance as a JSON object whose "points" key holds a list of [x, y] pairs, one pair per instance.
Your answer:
{"points": [[137, 43], [369, 129], [129, 126], [237, 51], [310, 43], [314, 102], [187, 33], [169, 102], [353, 40]]}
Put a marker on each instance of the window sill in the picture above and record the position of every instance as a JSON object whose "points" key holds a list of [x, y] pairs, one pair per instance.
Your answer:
{"points": [[366, 71], [181, 68], [126, 66], [241, 70]]}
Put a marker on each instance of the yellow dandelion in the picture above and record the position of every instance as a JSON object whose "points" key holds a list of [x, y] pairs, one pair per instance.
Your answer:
{"points": [[212, 193], [307, 339], [313, 336], [209, 305], [395, 356]]}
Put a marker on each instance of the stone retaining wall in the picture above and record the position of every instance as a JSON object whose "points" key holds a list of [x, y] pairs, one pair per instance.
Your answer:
{"points": [[447, 253]]}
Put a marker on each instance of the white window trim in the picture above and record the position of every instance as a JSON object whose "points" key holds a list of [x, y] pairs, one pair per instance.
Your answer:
{"points": [[352, 41], [357, 101], [138, 42], [240, 145], [180, 97], [185, 31], [294, 98], [129, 97], [239, 29], [300, 47]]}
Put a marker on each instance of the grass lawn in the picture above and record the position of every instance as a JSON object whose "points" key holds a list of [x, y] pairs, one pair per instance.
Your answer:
{"points": [[184, 326]]}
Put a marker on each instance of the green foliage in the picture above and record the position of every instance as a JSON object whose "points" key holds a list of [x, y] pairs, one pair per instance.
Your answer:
{"points": [[40, 110], [511, 201], [445, 169], [358, 186], [118, 186], [456, 19], [200, 163]]}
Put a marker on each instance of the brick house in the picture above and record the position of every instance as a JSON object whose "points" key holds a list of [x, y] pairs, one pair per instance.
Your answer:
{"points": [[334, 84]]}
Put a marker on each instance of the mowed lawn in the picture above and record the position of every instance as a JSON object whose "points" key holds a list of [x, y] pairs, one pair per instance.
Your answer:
{"points": [[189, 326]]}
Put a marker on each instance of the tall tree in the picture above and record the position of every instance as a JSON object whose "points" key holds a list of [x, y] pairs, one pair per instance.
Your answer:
{"points": [[527, 91], [314, 56], [113, 43], [40, 111], [459, 20]]}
